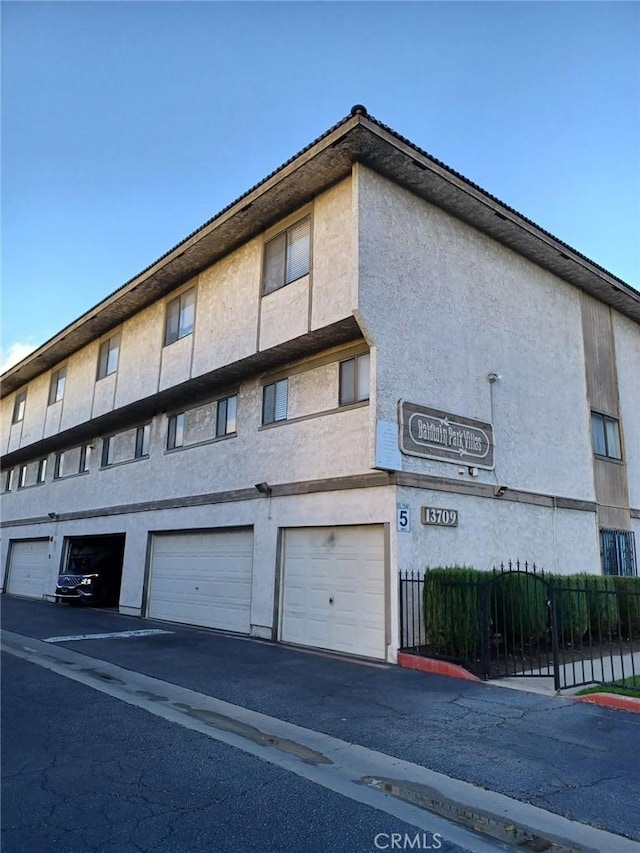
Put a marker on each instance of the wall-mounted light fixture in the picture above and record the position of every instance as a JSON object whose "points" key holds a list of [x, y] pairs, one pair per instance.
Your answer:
{"points": [[52, 515], [493, 377], [500, 490], [264, 488]]}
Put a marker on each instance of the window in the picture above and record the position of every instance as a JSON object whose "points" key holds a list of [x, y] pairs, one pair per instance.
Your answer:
{"points": [[354, 380], [22, 476], [605, 433], [108, 450], [286, 257], [8, 482], [226, 416], [56, 389], [83, 462], [108, 357], [143, 435], [19, 407], [274, 401], [175, 434], [618, 552], [42, 471], [58, 466], [180, 317]]}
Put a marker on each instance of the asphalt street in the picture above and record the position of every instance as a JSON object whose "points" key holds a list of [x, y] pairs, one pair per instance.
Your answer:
{"points": [[85, 771]]}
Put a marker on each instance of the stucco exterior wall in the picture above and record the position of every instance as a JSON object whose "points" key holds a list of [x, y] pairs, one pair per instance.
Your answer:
{"points": [[230, 316], [79, 386], [104, 394], [140, 354], [493, 531], [627, 345], [470, 307], [285, 452], [334, 293], [227, 309], [285, 313]]}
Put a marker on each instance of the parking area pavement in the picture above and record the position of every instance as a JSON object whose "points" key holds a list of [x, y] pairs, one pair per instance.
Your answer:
{"points": [[561, 755]]}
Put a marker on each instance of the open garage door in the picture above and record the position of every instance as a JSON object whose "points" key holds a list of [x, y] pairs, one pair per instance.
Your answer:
{"points": [[333, 589], [28, 567], [202, 578]]}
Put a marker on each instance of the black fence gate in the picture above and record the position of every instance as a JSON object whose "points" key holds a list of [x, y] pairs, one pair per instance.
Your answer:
{"points": [[517, 621]]}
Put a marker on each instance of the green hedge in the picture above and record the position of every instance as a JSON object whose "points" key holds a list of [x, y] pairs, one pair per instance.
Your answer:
{"points": [[628, 605], [451, 610], [518, 607]]}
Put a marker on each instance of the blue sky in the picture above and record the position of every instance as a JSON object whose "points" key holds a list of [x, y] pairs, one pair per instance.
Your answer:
{"points": [[126, 125]]}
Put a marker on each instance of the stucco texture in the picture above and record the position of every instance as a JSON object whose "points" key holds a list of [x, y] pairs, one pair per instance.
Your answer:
{"points": [[447, 306]]}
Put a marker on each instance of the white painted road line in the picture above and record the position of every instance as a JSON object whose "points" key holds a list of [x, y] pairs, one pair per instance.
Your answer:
{"points": [[391, 785], [120, 635]]}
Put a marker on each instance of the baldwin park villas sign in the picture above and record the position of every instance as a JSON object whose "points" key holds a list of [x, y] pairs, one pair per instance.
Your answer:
{"points": [[433, 434]]}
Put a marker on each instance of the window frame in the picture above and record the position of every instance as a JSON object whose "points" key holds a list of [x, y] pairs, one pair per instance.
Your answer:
{"points": [[19, 407], [606, 420], [277, 385], [102, 370], [143, 440], [8, 480], [177, 334], [107, 456], [83, 461], [222, 413], [284, 236], [22, 476], [175, 428], [354, 395], [57, 385], [58, 465], [41, 473]]}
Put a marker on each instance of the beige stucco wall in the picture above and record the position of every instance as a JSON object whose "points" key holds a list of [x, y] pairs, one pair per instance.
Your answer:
{"points": [[334, 292], [232, 320], [446, 306], [227, 309], [316, 447], [79, 386], [140, 354], [627, 346], [491, 531]]}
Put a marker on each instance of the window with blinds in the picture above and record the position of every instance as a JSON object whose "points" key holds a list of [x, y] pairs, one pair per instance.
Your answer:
{"points": [[274, 401], [287, 256]]}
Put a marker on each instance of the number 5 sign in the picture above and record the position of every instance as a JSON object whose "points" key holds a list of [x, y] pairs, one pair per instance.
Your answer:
{"points": [[403, 518]]}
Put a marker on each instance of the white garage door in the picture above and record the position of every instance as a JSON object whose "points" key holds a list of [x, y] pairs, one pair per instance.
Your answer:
{"points": [[334, 589], [28, 567], [202, 579]]}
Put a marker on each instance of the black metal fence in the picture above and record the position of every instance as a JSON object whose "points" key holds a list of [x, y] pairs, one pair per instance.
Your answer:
{"points": [[518, 621]]}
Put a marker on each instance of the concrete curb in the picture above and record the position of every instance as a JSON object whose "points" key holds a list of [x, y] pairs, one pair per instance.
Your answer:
{"points": [[435, 667], [611, 700], [452, 670]]}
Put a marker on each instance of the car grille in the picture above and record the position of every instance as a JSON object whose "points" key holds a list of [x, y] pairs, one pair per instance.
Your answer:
{"points": [[69, 580]]}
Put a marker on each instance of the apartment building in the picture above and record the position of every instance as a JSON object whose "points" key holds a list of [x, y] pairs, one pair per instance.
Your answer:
{"points": [[365, 364]]}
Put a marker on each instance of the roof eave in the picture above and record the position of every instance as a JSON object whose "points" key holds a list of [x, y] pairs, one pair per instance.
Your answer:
{"points": [[325, 161]]}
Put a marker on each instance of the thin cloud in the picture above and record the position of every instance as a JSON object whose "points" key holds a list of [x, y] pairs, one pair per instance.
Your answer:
{"points": [[13, 354]]}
